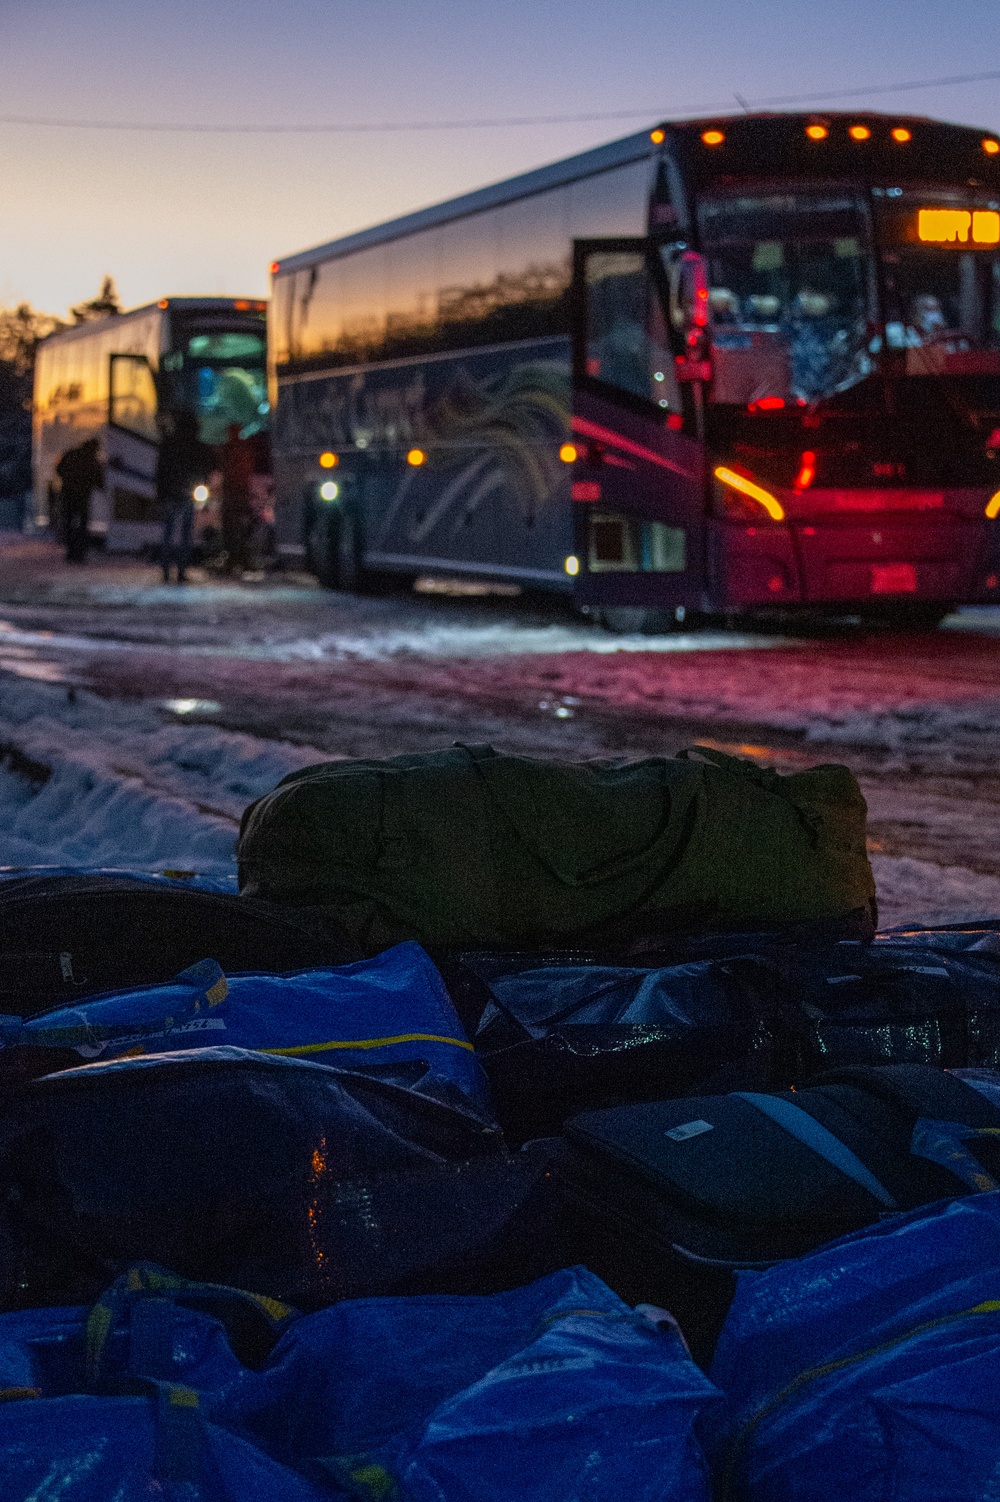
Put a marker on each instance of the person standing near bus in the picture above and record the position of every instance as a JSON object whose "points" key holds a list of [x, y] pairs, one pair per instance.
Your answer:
{"points": [[238, 515], [183, 462], [80, 473]]}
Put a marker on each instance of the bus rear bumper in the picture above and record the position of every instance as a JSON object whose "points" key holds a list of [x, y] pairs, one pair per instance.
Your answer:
{"points": [[903, 558]]}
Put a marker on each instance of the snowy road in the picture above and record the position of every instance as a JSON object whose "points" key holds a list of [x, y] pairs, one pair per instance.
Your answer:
{"points": [[137, 721]]}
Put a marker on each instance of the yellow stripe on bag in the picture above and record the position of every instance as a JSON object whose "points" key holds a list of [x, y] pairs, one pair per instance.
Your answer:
{"points": [[372, 1043]]}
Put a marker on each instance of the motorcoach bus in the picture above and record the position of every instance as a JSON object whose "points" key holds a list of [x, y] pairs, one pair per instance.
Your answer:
{"points": [[725, 365], [119, 379]]}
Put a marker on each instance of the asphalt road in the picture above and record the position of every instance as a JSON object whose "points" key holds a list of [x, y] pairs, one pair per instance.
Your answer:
{"points": [[917, 716]]}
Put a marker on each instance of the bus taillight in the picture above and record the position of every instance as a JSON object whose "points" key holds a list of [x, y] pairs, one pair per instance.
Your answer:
{"points": [[736, 491], [807, 471]]}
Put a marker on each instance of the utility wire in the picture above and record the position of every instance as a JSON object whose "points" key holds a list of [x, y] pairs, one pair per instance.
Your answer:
{"points": [[499, 122]]}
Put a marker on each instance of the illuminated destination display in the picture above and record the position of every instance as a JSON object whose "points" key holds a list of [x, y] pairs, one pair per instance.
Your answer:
{"points": [[958, 226]]}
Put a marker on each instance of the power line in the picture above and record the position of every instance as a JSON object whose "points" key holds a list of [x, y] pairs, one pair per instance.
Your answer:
{"points": [[499, 122]]}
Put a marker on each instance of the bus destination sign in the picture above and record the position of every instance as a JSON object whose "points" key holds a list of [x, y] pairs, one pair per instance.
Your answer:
{"points": [[968, 227]]}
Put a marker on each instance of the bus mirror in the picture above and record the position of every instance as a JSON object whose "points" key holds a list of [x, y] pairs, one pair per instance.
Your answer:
{"points": [[690, 313]]}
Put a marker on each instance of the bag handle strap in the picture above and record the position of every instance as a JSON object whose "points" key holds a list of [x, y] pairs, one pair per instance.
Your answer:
{"points": [[145, 1298]]}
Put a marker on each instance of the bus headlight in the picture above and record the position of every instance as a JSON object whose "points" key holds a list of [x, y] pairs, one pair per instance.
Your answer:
{"points": [[200, 494], [329, 490]]}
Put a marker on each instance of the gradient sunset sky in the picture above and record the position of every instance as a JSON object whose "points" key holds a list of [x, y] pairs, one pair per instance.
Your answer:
{"points": [[197, 213]]}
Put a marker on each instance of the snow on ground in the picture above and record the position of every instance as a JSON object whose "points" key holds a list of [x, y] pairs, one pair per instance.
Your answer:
{"points": [[923, 894], [87, 781], [94, 782]]}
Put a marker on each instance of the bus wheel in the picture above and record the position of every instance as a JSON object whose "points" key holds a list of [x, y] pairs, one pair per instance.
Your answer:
{"points": [[333, 550], [320, 539], [350, 574], [638, 620]]}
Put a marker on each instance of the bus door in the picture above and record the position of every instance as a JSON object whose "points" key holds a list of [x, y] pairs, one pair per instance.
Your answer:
{"points": [[638, 479], [131, 450]]}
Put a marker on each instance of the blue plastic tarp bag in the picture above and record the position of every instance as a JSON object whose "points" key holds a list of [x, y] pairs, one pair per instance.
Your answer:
{"points": [[549, 1393], [117, 1401], [87, 1449], [391, 1016], [868, 1369]]}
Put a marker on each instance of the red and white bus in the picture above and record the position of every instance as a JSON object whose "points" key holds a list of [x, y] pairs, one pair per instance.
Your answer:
{"points": [[725, 365]]}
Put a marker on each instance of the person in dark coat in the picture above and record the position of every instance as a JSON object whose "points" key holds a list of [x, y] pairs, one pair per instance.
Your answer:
{"points": [[80, 473], [238, 515], [183, 462]]}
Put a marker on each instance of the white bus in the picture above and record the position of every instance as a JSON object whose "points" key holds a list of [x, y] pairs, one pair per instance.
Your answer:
{"points": [[117, 378]]}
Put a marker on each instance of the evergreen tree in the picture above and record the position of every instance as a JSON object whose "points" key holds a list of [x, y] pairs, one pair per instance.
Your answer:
{"points": [[104, 305]]}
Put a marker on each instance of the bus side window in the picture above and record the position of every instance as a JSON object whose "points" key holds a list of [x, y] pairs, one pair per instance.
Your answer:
{"points": [[132, 403], [626, 339]]}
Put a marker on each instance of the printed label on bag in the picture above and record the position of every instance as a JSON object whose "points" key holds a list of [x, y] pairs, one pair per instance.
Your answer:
{"points": [[689, 1129]]}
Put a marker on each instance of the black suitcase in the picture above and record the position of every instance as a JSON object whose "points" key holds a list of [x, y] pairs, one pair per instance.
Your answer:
{"points": [[69, 936], [666, 1200]]}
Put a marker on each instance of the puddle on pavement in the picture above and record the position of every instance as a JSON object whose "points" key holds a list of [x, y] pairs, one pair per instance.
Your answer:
{"points": [[189, 708]]}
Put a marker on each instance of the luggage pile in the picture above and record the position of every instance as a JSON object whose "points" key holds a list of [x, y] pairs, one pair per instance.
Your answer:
{"points": [[518, 1132]]}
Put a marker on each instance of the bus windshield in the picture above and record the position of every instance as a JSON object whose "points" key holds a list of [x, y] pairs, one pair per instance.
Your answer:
{"points": [[791, 293], [940, 251], [221, 375]]}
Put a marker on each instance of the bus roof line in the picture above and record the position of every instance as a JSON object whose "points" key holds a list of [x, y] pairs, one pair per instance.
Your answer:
{"points": [[557, 174], [180, 304]]}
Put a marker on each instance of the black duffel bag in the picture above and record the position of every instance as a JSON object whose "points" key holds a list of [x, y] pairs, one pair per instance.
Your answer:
{"points": [[63, 937], [307, 1183], [560, 1039]]}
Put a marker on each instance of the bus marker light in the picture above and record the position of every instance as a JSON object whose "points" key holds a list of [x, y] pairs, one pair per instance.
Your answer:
{"points": [[164, 302], [993, 506], [776, 584], [657, 136], [713, 137], [766, 404], [860, 133], [568, 453], [572, 565], [901, 134], [328, 460], [991, 147], [992, 581], [807, 471], [416, 457], [817, 132], [757, 493], [275, 267], [329, 490]]}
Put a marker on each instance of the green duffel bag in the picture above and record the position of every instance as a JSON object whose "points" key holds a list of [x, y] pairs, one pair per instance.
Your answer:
{"points": [[472, 848]]}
